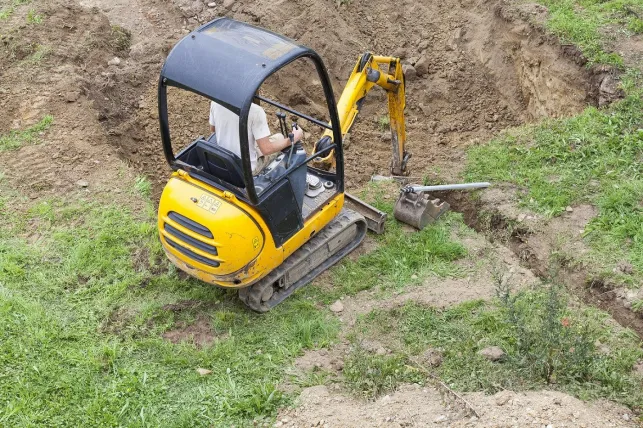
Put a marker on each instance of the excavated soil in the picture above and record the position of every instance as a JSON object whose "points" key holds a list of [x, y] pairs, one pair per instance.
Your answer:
{"points": [[487, 68], [484, 66]]}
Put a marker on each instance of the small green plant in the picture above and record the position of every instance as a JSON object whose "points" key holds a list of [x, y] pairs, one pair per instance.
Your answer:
{"points": [[33, 17], [40, 52], [384, 123], [16, 139], [7, 11], [121, 38], [372, 375], [553, 348], [547, 343], [143, 186]]}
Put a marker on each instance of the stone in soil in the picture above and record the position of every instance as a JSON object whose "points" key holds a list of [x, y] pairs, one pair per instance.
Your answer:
{"points": [[337, 307], [492, 353]]}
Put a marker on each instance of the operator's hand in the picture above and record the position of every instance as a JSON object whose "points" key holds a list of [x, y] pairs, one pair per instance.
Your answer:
{"points": [[298, 134]]}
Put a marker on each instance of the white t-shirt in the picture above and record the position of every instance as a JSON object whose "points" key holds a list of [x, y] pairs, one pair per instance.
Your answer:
{"points": [[226, 124]]}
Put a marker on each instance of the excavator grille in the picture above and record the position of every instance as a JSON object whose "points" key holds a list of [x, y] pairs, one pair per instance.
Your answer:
{"points": [[178, 239], [190, 224]]}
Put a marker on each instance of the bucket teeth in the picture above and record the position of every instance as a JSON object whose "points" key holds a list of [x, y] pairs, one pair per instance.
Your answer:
{"points": [[419, 209]]}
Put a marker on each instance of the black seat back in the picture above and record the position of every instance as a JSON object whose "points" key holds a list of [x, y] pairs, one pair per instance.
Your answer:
{"points": [[220, 163]]}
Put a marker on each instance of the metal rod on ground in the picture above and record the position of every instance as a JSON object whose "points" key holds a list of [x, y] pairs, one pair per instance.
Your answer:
{"points": [[465, 186]]}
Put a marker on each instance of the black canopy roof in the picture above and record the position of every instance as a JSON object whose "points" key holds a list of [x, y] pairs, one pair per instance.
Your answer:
{"points": [[227, 60]]}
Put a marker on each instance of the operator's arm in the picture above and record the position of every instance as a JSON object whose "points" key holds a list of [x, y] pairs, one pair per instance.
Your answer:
{"points": [[261, 132], [268, 148]]}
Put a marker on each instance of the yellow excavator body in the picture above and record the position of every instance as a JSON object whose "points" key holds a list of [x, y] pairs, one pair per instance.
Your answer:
{"points": [[268, 233]]}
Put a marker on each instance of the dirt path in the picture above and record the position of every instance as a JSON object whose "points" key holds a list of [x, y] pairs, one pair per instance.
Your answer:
{"points": [[415, 406]]}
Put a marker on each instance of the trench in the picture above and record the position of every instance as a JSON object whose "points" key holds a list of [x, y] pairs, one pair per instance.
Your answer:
{"points": [[498, 227]]}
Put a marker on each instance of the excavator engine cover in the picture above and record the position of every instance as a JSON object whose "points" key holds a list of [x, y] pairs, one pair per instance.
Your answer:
{"points": [[419, 209]]}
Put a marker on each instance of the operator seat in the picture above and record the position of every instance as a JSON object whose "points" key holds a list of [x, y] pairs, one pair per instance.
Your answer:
{"points": [[220, 163]]}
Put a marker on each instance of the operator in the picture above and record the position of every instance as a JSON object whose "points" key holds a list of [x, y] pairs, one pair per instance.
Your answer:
{"points": [[264, 148]]}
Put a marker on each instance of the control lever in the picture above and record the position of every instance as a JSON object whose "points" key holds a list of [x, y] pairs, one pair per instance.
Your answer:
{"points": [[282, 122], [291, 136]]}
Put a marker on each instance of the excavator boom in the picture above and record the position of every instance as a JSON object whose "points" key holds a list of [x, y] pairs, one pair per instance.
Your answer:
{"points": [[371, 71]]}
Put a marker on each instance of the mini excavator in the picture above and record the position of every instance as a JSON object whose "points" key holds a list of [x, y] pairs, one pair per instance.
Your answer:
{"points": [[269, 234]]}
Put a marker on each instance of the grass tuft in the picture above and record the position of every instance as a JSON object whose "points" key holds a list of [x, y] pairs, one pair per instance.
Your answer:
{"points": [[16, 139]]}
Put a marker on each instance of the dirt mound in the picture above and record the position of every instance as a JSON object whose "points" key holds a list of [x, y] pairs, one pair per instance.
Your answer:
{"points": [[487, 68], [51, 69], [416, 406]]}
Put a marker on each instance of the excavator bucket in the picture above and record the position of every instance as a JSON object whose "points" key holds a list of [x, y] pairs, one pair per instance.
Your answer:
{"points": [[418, 209]]}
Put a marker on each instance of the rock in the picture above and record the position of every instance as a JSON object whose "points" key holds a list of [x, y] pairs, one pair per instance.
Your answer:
{"points": [[380, 351], [521, 217], [386, 136], [410, 73], [422, 66], [203, 372], [228, 3], [82, 183], [569, 209], [212, 4], [626, 417], [432, 357], [625, 267], [400, 53], [114, 61], [72, 96], [492, 353], [414, 276], [441, 418], [337, 307], [609, 90]]}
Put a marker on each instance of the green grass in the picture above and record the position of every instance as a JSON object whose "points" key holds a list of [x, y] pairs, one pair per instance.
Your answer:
{"points": [[33, 17], [403, 256], [7, 11], [16, 139], [85, 295], [585, 22], [595, 157], [372, 375], [547, 345]]}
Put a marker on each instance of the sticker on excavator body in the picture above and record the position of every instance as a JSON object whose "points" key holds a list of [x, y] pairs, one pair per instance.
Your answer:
{"points": [[209, 203]]}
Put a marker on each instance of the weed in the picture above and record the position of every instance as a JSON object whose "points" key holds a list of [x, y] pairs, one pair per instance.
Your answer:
{"points": [[33, 17], [143, 186], [373, 375], [384, 123], [16, 139], [121, 38]]}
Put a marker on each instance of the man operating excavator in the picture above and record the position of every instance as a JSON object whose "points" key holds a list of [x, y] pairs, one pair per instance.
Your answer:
{"points": [[263, 146]]}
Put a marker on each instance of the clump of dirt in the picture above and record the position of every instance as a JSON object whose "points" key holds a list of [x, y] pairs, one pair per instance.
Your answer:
{"points": [[416, 406], [198, 332]]}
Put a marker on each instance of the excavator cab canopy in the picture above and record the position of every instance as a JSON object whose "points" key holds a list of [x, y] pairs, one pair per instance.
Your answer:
{"points": [[227, 61]]}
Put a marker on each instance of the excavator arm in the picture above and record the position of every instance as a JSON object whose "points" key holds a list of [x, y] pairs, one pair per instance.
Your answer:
{"points": [[371, 71]]}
